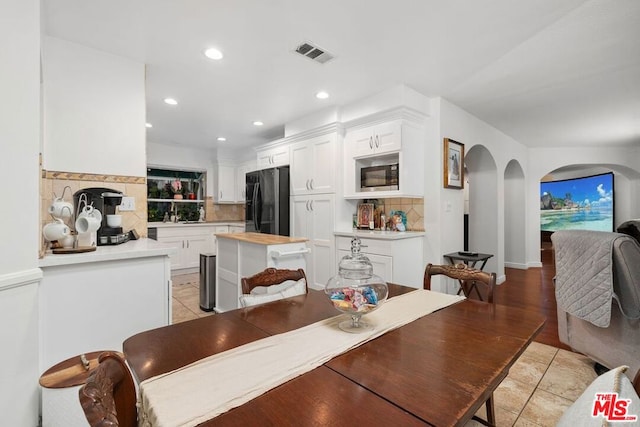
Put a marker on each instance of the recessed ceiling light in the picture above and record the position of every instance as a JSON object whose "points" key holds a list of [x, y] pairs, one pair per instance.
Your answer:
{"points": [[222, 139], [170, 101], [213, 53], [322, 95], [258, 123], [149, 125]]}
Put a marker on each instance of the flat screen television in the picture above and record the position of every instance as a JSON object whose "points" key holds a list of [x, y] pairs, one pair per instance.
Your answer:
{"points": [[584, 203]]}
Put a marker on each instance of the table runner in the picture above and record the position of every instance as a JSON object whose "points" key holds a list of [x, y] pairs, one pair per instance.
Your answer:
{"points": [[209, 387]]}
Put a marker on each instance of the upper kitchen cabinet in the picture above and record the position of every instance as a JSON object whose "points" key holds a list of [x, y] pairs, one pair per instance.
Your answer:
{"points": [[393, 144], [226, 184], [377, 139], [241, 179], [273, 156], [313, 165]]}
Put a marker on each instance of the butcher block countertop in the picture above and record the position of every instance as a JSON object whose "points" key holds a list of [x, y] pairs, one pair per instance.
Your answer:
{"points": [[261, 238]]}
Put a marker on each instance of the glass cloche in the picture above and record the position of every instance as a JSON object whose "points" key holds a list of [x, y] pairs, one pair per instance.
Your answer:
{"points": [[355, 290]]}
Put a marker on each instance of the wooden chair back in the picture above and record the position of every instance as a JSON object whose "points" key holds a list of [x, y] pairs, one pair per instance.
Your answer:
{"points": [[108, 398], [468, 277], [272, 276]]}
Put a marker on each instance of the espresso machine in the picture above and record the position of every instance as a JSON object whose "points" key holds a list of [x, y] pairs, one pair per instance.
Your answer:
{"points": [[104, 200]]}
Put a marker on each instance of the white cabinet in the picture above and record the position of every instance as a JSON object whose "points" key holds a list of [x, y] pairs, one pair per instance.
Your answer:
{"points": [[236, 229], [377, 139], [226, 185], [312, 217], [191, 241], [397, 260], [313, 165], [241, 182], [273, 157], [398, 141]]}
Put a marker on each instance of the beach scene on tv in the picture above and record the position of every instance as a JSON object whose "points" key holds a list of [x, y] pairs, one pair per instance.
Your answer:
{"points": [[577, 204]]}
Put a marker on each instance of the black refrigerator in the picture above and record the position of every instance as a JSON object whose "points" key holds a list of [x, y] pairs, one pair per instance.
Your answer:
{"points": [[267, 209]]}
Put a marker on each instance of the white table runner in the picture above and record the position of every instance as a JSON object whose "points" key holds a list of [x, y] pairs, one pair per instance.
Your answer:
{"points": [[209, 387]]}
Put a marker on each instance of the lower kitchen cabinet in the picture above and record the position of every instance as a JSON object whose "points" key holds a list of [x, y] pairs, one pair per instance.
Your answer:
{"points": [[191, 241], [397, 258]]}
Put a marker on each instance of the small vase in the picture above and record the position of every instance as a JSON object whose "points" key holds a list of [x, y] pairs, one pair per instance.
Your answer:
{"points": [[191, 196], [177, 196]]}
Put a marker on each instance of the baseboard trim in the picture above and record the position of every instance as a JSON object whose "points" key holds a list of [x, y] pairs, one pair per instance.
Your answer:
{"points": [[535, 264], [516, 265], [501, 279], [20, 278]]}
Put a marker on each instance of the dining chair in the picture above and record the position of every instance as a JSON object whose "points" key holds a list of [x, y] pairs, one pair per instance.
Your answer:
{"points": [[469, 279], [272, 284], [108, 398]]}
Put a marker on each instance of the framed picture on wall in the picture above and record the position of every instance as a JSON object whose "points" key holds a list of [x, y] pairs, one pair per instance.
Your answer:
{"points": [[453, 164]]}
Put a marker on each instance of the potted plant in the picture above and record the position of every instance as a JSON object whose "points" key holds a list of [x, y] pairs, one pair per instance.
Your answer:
{"points": [[176, 187]]}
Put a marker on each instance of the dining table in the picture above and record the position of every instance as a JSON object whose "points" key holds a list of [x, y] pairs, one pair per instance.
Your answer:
{"points": [[437, 370]]}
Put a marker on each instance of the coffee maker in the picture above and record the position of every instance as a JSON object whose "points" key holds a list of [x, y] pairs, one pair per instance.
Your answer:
{"points": [[105, 200]]}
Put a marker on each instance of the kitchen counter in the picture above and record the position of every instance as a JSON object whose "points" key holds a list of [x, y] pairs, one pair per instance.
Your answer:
{"points": [[192, 224], [141, 248], [381, 235], [261, 238]]}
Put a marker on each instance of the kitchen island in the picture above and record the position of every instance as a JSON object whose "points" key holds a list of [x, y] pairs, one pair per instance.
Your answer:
{"points": [[245, 254], [93, 301]]}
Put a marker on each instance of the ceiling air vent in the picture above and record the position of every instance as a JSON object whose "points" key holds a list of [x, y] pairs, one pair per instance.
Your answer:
{"points": [[313, 52]]}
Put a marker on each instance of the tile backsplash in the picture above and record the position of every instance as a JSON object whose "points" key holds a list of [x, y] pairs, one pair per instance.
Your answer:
{"points": [[53, 185], [223, 212], [414, 208]]}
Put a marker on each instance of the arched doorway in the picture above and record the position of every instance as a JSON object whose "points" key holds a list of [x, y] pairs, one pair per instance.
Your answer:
{"points": [[514, 216], [483, 231]]}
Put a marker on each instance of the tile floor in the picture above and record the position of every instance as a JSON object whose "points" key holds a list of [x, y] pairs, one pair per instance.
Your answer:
{"points": [[539, 387]]}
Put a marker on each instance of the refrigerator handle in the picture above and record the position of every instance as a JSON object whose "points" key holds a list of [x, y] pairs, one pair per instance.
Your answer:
{"points": [[255, 207]]}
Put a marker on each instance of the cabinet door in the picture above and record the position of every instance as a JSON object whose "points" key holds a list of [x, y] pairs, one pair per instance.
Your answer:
{"points": [[301, 168], [177, 258], [280, 156], [324, 167], [264, 159], [226, 183], [376, 139], [321, 210], [194, 246], [241, 172], [388, 137], [300, 216]]}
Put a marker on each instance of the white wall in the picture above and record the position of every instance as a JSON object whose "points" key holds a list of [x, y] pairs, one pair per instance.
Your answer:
{"points": [[19, 272], [173, 156], [94, 111], [463, 127], [622, 160], [514, 217]]}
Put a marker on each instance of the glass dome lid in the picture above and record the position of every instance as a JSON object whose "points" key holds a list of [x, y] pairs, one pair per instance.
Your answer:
{"points": [[355, 290]]}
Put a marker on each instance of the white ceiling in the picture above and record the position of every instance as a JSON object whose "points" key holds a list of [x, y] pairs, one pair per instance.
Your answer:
{"points": [[545, 72]]}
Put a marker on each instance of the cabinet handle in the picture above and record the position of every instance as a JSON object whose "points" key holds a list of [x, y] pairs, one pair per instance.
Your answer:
{"points": [[307, 204], [221, 194], [311, 204], [307, 185], [371, 142], [311, 184], [183, 244], [187, 244], [377, 141]]}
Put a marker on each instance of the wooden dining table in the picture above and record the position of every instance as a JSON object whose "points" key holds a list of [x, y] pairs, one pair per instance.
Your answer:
{"points": [[437, 370]]}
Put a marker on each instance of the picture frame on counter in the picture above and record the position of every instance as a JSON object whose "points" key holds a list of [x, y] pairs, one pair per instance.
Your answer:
{"points": [[365, 215], [453, 164]]}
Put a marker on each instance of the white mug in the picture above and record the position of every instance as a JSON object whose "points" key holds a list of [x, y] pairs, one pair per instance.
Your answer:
{"points": [[56, 230], [87, 224], [114, 220], [68, 241], [61, 209]]}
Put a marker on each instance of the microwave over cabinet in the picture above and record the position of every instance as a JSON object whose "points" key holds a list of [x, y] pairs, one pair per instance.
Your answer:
{"points": [[379, 178]]}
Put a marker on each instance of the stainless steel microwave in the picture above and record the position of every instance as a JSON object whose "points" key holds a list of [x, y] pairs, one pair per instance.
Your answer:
{"points": [[379, 178]]}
